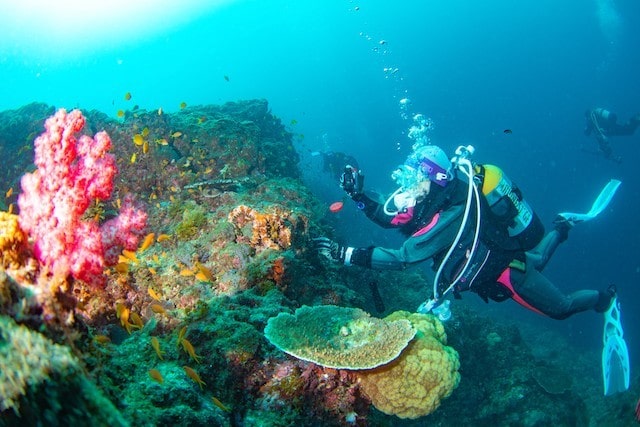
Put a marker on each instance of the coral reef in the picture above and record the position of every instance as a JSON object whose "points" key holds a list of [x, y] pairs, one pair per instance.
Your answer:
{"points": [[228, 227]]}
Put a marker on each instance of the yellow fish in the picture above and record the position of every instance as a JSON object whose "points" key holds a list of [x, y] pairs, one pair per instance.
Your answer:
{"points": [[8, 193], [153, 294], [10, 210], [145, 147], [102, 339], [152, 271], [156, 376], [158, 309], [137, 320], [186, 272], [204, 274], [202, 119], [133, 158], [138, 139], [162, 141], [163, 237], [183, 105], [131, 256], [145, 132], [127, 96], [219, 404], [176, 135], [122, 267], [160, 111], [120, 113], [156, 346], [148, 241], [194, 376], [181, 334]]}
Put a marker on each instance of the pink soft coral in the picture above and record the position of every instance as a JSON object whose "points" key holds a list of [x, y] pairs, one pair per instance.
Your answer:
{"points": [[70, 174]]}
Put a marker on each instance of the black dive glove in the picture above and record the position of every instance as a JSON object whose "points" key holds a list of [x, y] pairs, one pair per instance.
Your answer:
{"points": [[329, 249], [345, 255], [352, 181]]}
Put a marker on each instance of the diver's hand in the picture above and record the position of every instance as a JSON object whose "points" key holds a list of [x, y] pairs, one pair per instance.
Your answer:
{"points": [[352, 180], [329, 249]]}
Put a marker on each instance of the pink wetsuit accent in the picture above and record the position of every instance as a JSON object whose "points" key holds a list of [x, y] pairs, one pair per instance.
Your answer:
{"points": [[505, 280], [427, 227], [403, 217]]}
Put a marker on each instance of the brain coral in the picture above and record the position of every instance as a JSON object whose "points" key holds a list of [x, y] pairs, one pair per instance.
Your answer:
{"points": [[425, 373], [339, 337]]}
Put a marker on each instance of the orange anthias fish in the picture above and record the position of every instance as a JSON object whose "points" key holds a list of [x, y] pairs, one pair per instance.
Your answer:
{"points": [[188, 347], [194, 376], [163, 237], [156, 375], [148, 241], [153, 294], [158, 309], [220, 404], [156, 346], [181, 334]]}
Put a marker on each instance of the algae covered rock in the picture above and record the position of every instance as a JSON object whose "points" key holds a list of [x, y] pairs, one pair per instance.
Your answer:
{"points": [[339, 337], [43, 383]]}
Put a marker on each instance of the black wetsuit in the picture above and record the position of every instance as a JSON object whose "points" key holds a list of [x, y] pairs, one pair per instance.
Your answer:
{"points": [[604, 124], [494, 273]]}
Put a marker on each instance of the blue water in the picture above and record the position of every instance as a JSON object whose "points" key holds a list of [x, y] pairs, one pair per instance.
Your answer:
{"points": [[475, 68]]}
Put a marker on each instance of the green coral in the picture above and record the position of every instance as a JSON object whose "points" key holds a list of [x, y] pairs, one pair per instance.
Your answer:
{"points": [[194, 217]]}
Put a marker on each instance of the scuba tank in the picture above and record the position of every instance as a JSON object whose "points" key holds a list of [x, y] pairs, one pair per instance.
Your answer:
{"points": [[510, 222]]}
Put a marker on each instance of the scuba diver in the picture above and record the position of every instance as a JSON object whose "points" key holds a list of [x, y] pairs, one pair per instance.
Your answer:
{"points": [[604, 124], [492, 243]]}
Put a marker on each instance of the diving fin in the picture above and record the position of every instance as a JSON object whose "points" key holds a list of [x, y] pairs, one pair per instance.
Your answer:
{"points": [[601, 202], [615, 355]]}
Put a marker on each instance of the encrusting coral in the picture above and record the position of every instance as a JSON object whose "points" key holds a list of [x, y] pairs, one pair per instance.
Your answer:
{"points": [[426, 372], [268, 230], [339, 337], [12, 240]]}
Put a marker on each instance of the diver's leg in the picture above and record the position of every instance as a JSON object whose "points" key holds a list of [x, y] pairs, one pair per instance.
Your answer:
{"points": [[534, 291], [539, 256]]}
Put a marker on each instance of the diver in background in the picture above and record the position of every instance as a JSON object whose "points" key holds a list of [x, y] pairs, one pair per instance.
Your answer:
{"points": [[604, 124], [333, 162], [429, 209]]}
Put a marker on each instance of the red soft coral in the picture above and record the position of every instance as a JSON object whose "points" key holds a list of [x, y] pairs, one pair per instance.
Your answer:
{"points": [[72, 172]]}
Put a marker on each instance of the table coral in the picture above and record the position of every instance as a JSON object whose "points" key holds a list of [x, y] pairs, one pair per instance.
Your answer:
{"points": [[339, 337], [426, 372]]}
